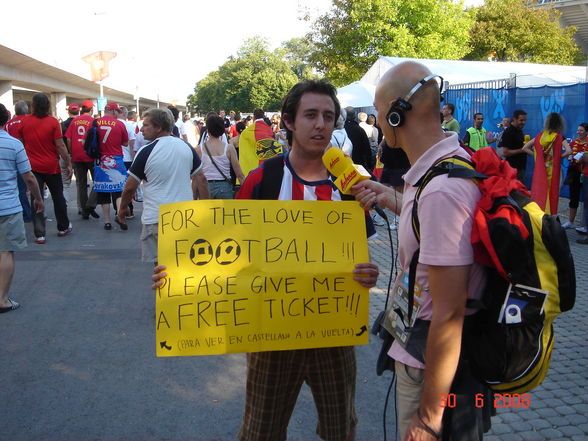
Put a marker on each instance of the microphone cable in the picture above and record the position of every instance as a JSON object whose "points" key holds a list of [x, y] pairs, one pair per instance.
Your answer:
{"points": [[381, 316], [392, 382]]}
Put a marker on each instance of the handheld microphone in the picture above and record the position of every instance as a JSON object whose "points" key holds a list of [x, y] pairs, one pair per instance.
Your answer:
{"points": [[347, 173]]}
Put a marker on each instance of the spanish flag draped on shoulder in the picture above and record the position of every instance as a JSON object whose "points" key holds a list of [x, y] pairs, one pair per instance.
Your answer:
{"points": [[256, 145]]}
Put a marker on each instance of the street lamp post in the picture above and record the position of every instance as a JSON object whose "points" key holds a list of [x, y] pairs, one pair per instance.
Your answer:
{"points": [[99, 70]]}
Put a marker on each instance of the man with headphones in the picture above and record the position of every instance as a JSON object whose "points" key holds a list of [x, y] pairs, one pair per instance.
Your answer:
{"points": [[428, 403]]}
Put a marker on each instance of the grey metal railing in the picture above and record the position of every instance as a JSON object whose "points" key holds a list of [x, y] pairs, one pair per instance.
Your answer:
{"points": [[490, 84]]}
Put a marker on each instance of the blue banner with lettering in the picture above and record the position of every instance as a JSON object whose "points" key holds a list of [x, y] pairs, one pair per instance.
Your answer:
{"points": [[538, 102]]}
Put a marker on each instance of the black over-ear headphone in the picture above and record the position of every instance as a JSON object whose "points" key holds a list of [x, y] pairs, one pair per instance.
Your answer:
{"points": [[396, 115]]}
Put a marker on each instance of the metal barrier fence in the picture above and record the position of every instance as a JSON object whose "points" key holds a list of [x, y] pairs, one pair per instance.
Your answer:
{"points": [[490, 84]]}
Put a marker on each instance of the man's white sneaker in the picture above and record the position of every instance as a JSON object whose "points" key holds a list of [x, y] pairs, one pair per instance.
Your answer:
{"points": [[581, 230], [65, 232], [568, 225]]}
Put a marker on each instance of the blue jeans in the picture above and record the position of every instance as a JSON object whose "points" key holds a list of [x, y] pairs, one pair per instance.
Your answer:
{"points": [[221, 190], [22, 195]]}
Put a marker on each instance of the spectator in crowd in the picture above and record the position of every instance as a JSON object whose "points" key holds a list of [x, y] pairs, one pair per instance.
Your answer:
{"points": [[371, 132], [512, 142], [256, 143], [21, 108], [449, 123], [200, 125], [362, 153], [282, 137], [75, 136], [170, 171], [547, 149], [178, 125], [13, 162], [476, 137], [233, 130], [573, 179], [73, 110], [227, 123], [275, 122], [395, 165], [128, 150], [190, 127], [504, 124], [43, 141], [239, 127], [110, 174], [584, 163], [339, 137], [372, 121], [204, 132], [217, 159]]}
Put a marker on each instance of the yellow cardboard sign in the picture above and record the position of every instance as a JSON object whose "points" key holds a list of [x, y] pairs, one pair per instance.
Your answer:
{"points": [[248, 276]]}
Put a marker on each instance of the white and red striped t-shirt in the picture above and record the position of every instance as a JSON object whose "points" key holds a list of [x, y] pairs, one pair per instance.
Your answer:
{"points": [[293, 188]]}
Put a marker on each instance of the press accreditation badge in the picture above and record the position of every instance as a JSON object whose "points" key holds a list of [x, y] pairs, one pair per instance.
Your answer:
{"points": [[397, 322]]}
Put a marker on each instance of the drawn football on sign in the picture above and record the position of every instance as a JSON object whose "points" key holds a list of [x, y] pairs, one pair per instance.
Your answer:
{"points": [[227, 251], [201, 252]]}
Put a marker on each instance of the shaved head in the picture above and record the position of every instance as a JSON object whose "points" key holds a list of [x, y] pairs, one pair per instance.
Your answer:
{"points": [[421, 126], [399, 81]]}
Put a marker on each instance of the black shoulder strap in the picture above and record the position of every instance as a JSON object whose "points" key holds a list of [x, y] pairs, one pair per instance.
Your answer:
{"points": [[271, 181], [214, 163], [454, 167]]}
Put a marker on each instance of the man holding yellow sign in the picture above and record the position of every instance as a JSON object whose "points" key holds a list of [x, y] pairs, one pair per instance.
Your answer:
{"points": [[296, 263]]}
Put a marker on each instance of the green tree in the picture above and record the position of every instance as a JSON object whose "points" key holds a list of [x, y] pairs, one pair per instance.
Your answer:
{"points": [[297, 52], [256, 77], [349, 38], [207, 94], [508, 30]]}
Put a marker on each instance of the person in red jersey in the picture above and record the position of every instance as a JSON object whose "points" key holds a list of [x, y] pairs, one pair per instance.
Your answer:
{"points": [[73, 111], [82, 163], [110, 174], [43, 141]]}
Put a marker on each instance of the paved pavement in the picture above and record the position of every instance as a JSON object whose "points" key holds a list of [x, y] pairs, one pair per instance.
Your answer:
{"points": [[77, 359]]}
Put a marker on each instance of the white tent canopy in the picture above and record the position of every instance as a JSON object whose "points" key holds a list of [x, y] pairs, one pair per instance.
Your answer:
{"points": [[459, 72], [357, 94]]}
